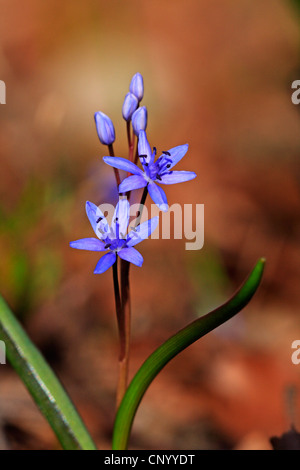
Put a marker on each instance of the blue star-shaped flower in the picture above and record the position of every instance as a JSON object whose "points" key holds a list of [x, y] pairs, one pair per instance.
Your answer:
{"points": [[159, 171], [114, 238]]}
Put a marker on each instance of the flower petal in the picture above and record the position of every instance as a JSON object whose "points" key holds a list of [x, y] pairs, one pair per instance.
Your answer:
{"points": [[97, 219], [163, 195], [105, 263], [177, 153], [143, 231], [92, 244], [144, 148], [132, 182], [174, 177], [121, 218], [131, 255], [123, 164], [157, 196]]}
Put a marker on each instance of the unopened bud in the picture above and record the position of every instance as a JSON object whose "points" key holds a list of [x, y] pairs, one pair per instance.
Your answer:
{"points": [[129, 106], [105, 128], [139, 120], [137, 86]]}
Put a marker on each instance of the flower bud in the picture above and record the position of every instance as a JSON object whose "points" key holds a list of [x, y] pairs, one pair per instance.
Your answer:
{"points": [[105, 128], [139, 120], [137, 86], [129, 106]]}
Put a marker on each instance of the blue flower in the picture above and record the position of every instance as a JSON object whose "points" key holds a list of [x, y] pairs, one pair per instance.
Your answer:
{"points": [[137, 86], [139, 120], [113, 238], [159, 171], [105, 128], [129, 106]]}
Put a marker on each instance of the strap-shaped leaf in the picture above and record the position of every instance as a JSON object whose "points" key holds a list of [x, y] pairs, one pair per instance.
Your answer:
{"points": [[173, 346], [45, 388]]}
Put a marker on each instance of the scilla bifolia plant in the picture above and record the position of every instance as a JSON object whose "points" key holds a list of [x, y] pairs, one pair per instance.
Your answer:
{"points": [[118, 242]]}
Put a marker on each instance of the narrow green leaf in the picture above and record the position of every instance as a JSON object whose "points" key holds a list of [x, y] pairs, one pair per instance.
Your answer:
{"points": [[173, 346], [45, 388]]}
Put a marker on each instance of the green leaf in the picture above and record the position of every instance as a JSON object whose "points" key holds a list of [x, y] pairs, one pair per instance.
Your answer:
{"points": [[45, 388], [173, 346]]}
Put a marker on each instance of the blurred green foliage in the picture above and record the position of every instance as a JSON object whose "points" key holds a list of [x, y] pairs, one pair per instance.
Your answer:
{"points": [[296, 2], [31, 246], [208, 277]]}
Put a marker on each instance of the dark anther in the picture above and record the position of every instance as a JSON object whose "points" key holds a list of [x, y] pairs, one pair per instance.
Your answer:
{"points": [[166, 153], [116, 219], [143, 156], [107, 245], [154, 150], [146, 164], [99, 220], [168, 165], [158, 177]]}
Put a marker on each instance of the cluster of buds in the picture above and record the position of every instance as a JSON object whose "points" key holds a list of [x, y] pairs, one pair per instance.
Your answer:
{"points": [[131, 111]]}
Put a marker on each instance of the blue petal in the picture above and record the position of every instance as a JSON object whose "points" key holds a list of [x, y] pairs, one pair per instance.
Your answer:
{"points": [[132, 182], [157, 196], [163, 195], [97, 219], [123, 164], [105, 263], [177, 177], [143, 231], [131, 255], [92, 244], [177, 153], [144, 149], [121, 218]]}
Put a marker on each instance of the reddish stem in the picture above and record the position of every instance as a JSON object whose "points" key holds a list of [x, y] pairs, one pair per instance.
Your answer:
{"points": [[117, 174]]}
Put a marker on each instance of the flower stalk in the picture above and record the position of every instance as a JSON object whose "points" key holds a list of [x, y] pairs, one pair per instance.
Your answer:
{"points": [[124, 336], [116, 171], [126, 329]]}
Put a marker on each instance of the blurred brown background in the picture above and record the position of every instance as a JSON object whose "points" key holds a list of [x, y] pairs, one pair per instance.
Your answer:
{"points": [[217, 75]]}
